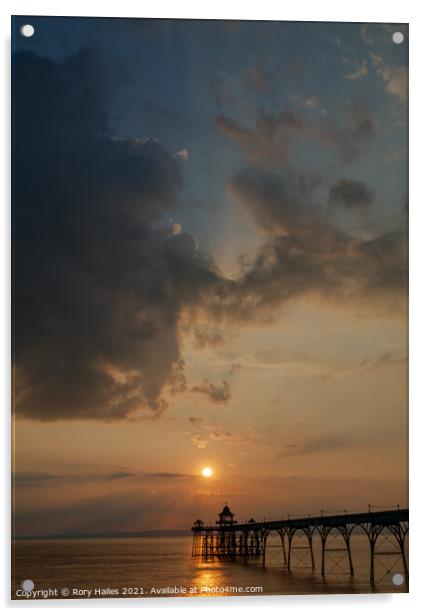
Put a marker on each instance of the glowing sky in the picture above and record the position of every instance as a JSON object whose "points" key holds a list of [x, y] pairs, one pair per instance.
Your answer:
{"points": [[210, 271]]}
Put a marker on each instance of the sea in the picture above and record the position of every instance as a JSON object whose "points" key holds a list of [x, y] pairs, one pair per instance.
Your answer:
{"points": [[141, 567]]}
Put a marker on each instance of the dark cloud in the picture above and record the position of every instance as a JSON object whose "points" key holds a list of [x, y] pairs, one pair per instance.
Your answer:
{"points": [[31, 478], [307, 254], [25, 478], [160, 475], [99, 283], [101, 280], [349, 194]]}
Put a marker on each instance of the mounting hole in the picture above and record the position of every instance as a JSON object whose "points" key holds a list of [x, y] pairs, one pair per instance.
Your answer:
{"points": [[27, 30], [27, 585], [397, 579], [398, 38]]}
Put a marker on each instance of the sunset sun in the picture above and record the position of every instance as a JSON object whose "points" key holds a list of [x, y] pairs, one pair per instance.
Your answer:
{"points": [[207, 471]]}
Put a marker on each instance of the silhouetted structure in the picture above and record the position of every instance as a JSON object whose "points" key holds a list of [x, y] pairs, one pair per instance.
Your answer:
{"points": [[226, 517], [230, 540]]}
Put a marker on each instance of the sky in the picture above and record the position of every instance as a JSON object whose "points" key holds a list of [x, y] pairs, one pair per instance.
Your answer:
{"points": [[209, 269]]}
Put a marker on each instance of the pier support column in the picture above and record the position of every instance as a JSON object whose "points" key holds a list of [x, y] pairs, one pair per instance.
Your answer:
{"points": [[348, 548], [264, 538], [196, 540], [309, 535], [290, 539], [323, 541], [404, 562], [282, 535], [372, 539], [400, 533]]}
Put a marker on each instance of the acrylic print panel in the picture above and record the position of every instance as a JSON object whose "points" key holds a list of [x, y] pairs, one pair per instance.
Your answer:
{"points": [[210, 308]]}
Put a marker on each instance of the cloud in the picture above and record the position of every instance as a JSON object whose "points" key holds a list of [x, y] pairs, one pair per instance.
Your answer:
{"points": [[31, 478], [206, 336], [218, 394], [160, 475], [225, 89], [306, 254], [204, 432], [397, 82], [365, 33], [103, 279], [311, 102], [394, 78], [268, 142], [360, 71], [350, 194], [318, 444], [99, 280], [384, 360], [182, 154], [273, 200]]}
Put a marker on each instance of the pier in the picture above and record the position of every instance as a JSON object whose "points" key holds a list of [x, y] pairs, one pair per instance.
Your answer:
{"points": [[230, 540]]}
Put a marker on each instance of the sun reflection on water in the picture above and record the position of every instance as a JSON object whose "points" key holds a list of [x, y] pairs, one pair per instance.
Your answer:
{"points": [[209, 575]]}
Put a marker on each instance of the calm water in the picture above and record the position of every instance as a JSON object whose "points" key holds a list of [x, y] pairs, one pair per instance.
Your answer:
{"points": [[157, 563]]}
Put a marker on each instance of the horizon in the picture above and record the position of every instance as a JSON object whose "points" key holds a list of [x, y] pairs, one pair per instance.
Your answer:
{"points": [[188, 532]]}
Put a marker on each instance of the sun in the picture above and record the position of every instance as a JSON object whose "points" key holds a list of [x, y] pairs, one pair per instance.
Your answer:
{"points": [[207, 471]]}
